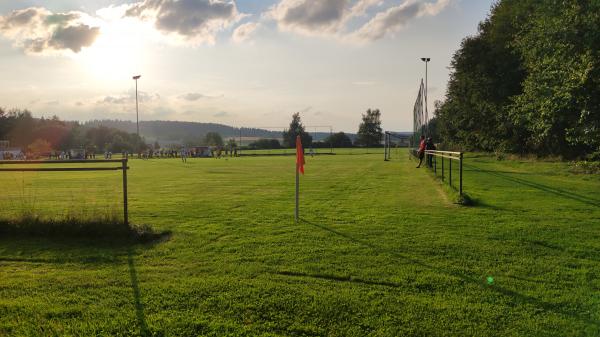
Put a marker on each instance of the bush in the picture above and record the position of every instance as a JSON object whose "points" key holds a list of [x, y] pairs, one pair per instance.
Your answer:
{"points": [[585, 167]]}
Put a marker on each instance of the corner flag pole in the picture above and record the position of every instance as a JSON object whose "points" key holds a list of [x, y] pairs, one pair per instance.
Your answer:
{"points": [[297, 192], [299, 169]]}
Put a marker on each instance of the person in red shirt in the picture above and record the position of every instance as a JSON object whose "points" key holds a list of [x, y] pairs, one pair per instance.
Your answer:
{"points": [[421, 151]]}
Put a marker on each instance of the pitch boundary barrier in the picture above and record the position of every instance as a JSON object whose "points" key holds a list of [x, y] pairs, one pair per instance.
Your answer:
{"points": [[123, 167]]}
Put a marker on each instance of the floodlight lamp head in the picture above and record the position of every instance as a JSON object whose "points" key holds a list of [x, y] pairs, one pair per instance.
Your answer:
{"points": [[425, 59], [137, 77]]}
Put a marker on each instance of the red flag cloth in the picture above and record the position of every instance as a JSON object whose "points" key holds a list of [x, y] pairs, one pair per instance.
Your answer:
{"points": [[299, 155]]}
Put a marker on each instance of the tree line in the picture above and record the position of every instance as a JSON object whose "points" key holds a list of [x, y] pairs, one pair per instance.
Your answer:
{"points": [[43, 135], [370, 134], [527, 82]]}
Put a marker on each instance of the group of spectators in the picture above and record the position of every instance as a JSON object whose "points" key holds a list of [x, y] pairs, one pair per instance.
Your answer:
{"points": [[7, 155], [426, 144]]}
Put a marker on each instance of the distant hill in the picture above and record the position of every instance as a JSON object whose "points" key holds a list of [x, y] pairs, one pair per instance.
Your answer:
{"points": [[175, 132]]}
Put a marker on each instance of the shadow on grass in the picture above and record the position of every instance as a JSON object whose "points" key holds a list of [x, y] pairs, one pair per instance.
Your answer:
{"points": [[478, 281], [69, 250], [548, 189], [338, 278], [139, 307], [477, 202], [116, 231]]}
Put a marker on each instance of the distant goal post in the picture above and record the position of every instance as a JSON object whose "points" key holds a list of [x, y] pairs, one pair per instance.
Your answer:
{"points": [[268, 140], [394, 141]]}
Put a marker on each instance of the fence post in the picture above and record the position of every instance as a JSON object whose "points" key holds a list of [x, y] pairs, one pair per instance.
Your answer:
{"points": [[435, 165], [385, 147], [450, 173], [461, 174], [125, 212], [442, 168]]}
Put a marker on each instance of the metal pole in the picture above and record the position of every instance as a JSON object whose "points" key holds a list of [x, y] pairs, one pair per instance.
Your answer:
{"points": [[137, 113], [125, 211], [426, 109], [461, 174], [331, 138], [385, 142], [297, 215], [315, 149], [240, 150], [389, 146]]}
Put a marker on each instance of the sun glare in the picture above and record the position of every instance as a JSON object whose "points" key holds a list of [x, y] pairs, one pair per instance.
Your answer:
{"points": [[117, 53]]}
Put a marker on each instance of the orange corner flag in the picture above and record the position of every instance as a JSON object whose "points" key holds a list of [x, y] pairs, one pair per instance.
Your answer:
{"points": [[299, 155]]}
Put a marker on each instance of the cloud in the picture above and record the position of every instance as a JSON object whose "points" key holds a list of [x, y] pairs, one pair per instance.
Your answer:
{"points": [[318, 17], [222, 114], [129, 98], [38, 30], [73, 37], [361, 7], [193, 20], [395, 18], [195, 96], [244, 32], [332, 17], [309, 16]]}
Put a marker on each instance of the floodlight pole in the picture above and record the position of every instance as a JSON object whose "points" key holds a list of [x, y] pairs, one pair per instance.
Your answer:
{"points": [[137, 112], [426, 60]]}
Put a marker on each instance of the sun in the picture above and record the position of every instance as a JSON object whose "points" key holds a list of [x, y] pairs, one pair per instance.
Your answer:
{"points": [[118, 52]]}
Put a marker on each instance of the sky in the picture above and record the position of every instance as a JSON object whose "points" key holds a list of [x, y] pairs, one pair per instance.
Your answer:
{"points": [[245, 63]]}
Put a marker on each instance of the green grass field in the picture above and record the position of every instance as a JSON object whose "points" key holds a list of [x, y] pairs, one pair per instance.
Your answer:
{"points": [[380, 251]]}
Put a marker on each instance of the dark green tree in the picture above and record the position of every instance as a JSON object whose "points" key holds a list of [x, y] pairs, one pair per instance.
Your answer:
{"points": [[264, 143], [296, 128], [487, 73], [213, 139], [339, 139], [560, 103], [370, 132], [3, 124]]}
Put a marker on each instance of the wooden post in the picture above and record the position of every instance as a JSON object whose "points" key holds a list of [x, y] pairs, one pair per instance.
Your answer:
{"points": [[125, 212], [450, 173], [461, 174], [442, 168], [435, 165]]}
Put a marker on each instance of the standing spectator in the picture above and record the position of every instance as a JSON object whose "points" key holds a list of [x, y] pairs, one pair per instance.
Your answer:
{"points": [[430, 146], [421, 151]]}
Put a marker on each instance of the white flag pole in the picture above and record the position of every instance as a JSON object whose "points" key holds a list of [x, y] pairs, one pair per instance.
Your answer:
{"points": [[297, 191]]}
